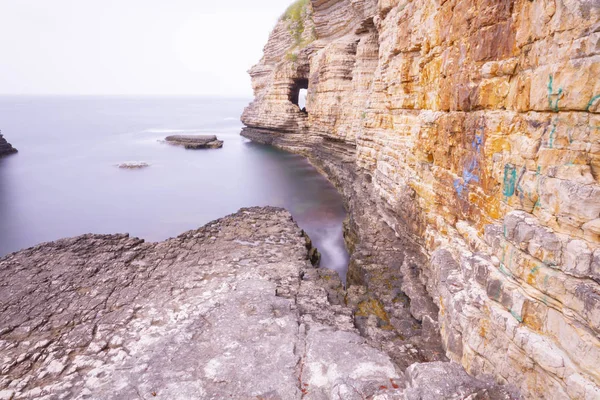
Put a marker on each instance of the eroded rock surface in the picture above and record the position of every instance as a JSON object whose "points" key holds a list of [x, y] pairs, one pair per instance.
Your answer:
{"points": [[464, 136], [231, 310]]}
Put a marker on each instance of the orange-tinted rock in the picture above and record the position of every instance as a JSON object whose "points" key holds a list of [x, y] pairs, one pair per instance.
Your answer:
{"points": [[476, 125]]}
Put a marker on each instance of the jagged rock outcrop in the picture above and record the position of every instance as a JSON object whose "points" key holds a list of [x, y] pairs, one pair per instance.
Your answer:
{"points": [[465, 136], [231, 310], [5, 147]]}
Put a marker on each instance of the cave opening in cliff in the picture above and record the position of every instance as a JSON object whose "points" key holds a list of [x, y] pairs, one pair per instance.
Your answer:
{"points": [[302, 99], [298, 93]]}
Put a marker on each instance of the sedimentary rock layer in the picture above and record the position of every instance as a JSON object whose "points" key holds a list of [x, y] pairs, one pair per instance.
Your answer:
{"points": [[465, 136], [231, 310], [5, 147]]}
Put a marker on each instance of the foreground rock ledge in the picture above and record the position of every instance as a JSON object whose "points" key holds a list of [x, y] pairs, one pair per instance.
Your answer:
{"points": [[231, 310]]}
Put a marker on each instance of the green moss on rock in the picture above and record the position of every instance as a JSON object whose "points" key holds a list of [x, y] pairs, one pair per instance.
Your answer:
{"points": [[295, 15]]}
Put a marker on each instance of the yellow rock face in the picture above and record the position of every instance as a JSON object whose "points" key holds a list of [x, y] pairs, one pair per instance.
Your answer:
{"points": [[489, 112]]}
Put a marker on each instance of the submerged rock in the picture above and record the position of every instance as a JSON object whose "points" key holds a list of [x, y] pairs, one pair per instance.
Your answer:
{"points": [[231, 310], [195, 142], [133, 165]]}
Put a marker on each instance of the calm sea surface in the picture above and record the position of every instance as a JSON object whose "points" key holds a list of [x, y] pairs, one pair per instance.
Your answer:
{"points": [[64, 180]]}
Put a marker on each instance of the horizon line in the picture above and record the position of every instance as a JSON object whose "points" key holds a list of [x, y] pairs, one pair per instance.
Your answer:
{"points": [[123, 95]]}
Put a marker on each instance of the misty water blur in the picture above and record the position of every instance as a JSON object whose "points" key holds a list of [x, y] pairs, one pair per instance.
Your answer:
{"points": [[64, 182]]}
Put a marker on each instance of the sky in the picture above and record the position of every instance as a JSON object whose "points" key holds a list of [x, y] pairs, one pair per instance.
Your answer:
{"points": [[133, 47]]}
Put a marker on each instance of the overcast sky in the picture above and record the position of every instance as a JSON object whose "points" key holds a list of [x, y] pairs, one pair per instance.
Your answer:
{"points": [[151, 47]]}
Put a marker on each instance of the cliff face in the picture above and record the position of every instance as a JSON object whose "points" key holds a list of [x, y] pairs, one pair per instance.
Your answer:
{"points": [[465, 136], [5, 147]]}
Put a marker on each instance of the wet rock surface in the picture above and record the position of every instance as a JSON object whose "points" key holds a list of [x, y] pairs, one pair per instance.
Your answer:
{"points": [[232, 310], [195, 142]]}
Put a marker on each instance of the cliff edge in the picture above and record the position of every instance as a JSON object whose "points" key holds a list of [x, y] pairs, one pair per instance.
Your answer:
{"points": [[465, 137]]}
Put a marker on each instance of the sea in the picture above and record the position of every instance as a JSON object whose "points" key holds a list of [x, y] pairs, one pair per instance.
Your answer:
{"points": [[64, 181]]}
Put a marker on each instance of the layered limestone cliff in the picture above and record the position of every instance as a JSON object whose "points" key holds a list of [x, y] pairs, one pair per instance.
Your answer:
{"points": [[465, 136], [5, 147]]}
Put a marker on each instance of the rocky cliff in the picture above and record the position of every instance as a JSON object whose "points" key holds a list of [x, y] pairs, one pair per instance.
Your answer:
{"points": [[5, 147], [465, 136]]}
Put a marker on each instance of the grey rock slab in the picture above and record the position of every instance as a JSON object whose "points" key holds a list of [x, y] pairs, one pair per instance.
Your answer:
{"points": [[339, 365], [447, 380], [210, 314]]}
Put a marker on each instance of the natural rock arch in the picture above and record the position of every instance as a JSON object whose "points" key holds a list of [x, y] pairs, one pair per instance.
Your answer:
{"points": [[302, 95], [298, 86]]}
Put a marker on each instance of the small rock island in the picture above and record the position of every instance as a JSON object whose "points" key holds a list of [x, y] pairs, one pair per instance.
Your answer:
{"points": [[195, 142], [5, 147]]}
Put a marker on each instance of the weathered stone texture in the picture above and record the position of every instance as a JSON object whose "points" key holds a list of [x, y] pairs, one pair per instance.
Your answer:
{"points": [[474, 129], [231, 310], [216, 312], [5, 147]]}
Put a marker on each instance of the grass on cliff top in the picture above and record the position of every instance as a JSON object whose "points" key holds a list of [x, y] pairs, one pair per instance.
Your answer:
{"points": [[295, 15], [294, 11]]}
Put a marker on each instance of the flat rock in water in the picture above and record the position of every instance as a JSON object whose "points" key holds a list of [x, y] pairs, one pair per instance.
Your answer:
{"points": [[231, 310], [133, 165], [195, 141]]}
